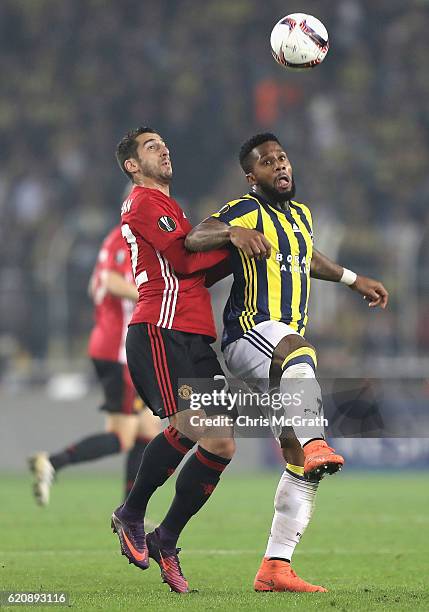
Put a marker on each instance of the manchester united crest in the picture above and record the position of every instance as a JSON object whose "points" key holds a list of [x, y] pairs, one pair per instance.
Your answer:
{"points": [[185, 392]]}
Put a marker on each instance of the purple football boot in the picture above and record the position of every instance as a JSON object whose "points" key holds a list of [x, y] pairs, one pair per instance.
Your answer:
{"points": [[132, 538], [168, 561]]}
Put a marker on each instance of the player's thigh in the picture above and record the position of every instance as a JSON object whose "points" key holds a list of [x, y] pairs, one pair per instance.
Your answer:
{"points": [[204, 358], [190, 423], [125, 426], [219, 437], [250, 357], [209, 372], [158, 360], [285, 348], [207, 378], [149, 425]]}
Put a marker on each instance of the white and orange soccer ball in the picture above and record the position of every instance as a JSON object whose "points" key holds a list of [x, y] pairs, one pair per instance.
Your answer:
{"points": [[299, 41]]}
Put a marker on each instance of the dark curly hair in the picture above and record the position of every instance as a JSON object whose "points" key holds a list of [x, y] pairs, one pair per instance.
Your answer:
{"points": [[248, 146]]}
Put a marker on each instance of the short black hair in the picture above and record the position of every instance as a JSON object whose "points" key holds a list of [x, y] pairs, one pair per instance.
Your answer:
{"points": [[127, 147], [248, 146]]}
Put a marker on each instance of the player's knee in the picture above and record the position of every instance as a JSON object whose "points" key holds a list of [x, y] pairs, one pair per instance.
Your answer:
{"points": [[223, 447], [148, 424], [299, 370], [125, 435], [292, 382], [301, 363], [188, 424], [126, 441]]}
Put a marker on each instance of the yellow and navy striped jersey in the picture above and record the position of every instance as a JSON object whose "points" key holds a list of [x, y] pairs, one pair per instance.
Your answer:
{"points": [[277, 288]]}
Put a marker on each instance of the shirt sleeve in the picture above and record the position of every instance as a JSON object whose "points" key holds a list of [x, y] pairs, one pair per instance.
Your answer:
{"points": [[185, 262], [241, 213], [161, 225]]}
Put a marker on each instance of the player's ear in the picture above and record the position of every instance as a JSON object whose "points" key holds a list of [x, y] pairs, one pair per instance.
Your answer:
{"points": [[251, 178], [130, 165]]}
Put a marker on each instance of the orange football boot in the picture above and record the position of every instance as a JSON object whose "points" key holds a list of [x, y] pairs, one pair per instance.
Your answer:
{"points": [[278, 576], [320, 459]]}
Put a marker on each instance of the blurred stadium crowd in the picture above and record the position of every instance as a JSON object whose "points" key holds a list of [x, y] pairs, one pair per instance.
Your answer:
{"points": [[78, 73]]}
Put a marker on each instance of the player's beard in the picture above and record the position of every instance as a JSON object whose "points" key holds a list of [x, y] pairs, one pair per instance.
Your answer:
{"points": [[162, 174], [278, 196]]}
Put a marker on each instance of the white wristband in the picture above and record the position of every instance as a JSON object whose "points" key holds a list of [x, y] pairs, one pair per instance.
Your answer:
{"points": [[348, 277]]}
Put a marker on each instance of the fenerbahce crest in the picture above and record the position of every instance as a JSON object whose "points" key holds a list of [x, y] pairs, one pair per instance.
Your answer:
{"points": [[167, 224]]}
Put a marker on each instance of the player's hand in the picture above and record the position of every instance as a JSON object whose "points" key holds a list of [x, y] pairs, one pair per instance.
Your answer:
{"points": [[372, 290], [251, 242]]}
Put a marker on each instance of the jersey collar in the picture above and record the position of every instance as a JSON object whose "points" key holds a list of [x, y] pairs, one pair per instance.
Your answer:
{"points": [[266, 202]]}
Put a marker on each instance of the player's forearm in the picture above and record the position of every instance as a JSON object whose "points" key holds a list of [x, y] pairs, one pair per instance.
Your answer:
{"points": [[185, 262], [218, 272], [210, 234], [117, 285], [323, 268]]}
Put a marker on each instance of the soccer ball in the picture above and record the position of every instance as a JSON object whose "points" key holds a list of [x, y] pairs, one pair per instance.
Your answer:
{"points": [[299, 41]]}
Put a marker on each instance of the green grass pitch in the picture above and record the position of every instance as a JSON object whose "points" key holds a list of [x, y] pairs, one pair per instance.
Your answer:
{"points": [[367, 543]]}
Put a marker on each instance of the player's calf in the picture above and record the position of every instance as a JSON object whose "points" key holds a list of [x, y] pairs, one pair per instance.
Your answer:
{"points": [[195, 484], [299, 380], [221, 447]]}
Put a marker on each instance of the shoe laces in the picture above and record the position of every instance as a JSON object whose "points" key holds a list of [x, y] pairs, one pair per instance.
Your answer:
{"points": [[139, 534], [323, 446], [287, 569], [176, 558]]}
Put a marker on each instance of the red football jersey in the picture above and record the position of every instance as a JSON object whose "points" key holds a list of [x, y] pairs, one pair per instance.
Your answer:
{"points": [[170, 280], [112, 314]]}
